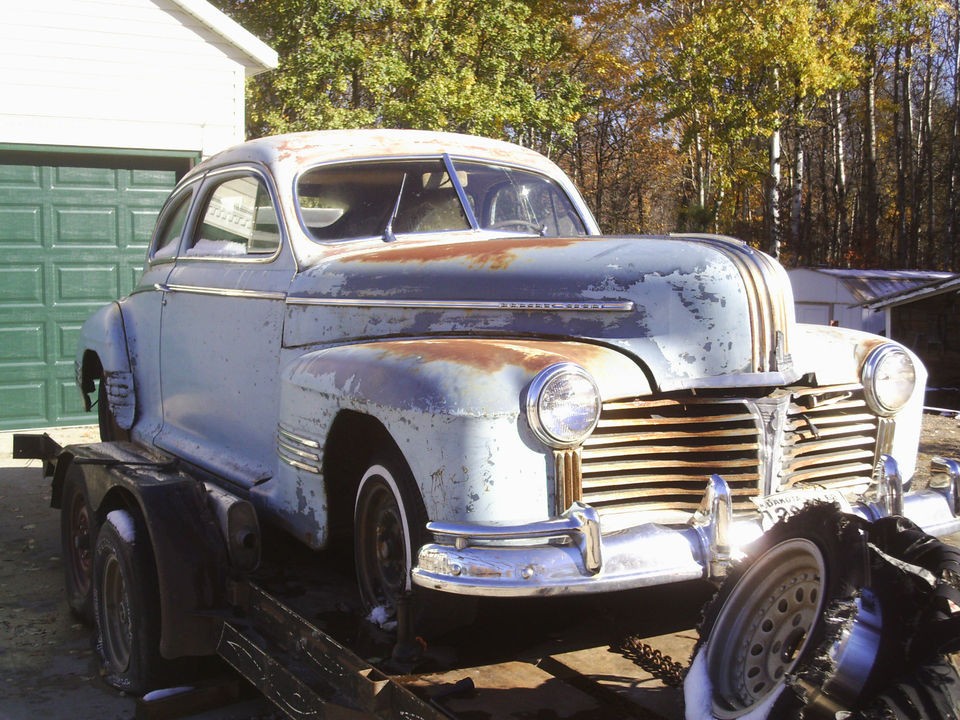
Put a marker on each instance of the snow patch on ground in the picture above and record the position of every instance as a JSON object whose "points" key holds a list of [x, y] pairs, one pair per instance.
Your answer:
{"points": [[165, 693], [382, 616], [123, 522]]}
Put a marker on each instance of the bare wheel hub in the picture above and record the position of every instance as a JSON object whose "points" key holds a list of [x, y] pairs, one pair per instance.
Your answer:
{"points": [[764, 626]]}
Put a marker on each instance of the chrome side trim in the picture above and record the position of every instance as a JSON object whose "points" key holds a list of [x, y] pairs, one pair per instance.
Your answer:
{"points": [[221, 292], [299, 439], [622, 306], [299, 452]]}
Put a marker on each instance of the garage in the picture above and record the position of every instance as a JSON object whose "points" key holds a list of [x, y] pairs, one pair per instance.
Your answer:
{"points": [[106, 104], [73, 232]]}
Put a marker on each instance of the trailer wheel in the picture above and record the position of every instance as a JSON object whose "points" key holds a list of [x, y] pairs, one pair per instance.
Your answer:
{"points": [[770, 619], [126, 605], [76, 540], [110, 430]]}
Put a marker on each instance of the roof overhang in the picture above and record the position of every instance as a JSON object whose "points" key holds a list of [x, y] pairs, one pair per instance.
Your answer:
{"points": [[261, 56], [909, 296]]}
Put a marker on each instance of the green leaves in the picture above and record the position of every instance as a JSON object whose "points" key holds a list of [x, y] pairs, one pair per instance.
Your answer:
{"points": [[488, 68]]}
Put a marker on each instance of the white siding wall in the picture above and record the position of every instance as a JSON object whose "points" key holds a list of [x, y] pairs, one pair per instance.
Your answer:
{"points": [[820, 298], [117, 74]]}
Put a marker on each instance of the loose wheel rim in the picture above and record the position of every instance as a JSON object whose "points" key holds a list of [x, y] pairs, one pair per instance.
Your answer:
{"points": [[116, 627], [764, 626], [81, 559], [383, 546]]}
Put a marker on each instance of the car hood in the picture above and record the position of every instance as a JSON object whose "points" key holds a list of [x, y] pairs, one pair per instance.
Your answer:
{"points": [[692, 311]]}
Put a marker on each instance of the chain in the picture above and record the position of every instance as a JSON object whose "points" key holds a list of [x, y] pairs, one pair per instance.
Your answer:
{"points": [[653, 661]]}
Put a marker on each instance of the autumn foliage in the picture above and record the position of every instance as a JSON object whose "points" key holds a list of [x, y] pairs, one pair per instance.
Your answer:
{"points": [[825, 132]]}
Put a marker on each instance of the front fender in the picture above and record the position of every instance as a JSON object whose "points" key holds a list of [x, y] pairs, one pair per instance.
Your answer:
{"points": [[102, 352], [454, 406]]}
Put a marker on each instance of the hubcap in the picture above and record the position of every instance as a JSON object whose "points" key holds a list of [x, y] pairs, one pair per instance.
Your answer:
{"points": [[764, 626], [80, 555]]}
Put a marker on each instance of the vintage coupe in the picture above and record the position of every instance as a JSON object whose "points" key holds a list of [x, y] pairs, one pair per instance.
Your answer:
{"points": [[418, 343]]}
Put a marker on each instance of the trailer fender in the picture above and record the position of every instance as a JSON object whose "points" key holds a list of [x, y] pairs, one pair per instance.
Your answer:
{"points": [[188, 547], [102, 355]]}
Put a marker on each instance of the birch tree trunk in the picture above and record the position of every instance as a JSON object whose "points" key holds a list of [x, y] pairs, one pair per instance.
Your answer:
{"points": [[871, 201]]}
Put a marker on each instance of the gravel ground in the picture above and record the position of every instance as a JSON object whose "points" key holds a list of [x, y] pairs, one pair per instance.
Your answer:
{"points": [[940, 436]]}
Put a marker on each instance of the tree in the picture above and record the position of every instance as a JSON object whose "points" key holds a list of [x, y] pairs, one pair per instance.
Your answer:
{"points": [[734, 71], [471, 66]]}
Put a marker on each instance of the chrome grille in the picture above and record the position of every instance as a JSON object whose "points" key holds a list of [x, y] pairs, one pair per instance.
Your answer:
{"points": [[830, 439], [657, 454]]}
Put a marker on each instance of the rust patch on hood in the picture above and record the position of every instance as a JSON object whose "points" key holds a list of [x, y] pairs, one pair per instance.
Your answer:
{"points": [[495, 254], [491, 356]]}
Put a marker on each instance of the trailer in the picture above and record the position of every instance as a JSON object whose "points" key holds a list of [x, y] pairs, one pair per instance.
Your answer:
{"points": [[220, 592]]}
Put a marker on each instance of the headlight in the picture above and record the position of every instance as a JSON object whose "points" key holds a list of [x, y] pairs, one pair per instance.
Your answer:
{"points": [[563, 405], [888, 378]]}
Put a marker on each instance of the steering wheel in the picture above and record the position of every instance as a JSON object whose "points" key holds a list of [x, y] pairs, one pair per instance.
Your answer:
{"points": [[517, 224]]}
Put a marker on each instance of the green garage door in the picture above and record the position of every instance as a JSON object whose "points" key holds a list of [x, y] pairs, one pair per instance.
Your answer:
{"points": [[71, 239]]}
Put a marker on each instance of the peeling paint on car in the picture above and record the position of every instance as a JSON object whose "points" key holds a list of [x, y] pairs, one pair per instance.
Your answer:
{"points": [[677, 357]]}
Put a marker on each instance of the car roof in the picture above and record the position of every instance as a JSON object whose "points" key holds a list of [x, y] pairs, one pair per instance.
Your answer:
{"points": [[291, 152]]}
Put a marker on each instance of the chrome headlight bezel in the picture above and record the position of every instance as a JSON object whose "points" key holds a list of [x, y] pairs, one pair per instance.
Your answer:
{"points": [[547, 424], [887, 366]]}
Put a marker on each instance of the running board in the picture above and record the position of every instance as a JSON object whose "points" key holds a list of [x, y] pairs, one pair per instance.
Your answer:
{"points": [[305, 672]]}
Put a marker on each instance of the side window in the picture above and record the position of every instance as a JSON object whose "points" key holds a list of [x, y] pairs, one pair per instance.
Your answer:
{"points": [[238, 220], [171, 228]]}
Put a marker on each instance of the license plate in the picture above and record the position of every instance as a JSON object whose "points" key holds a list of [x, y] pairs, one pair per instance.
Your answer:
{"points": [[780, 506]]}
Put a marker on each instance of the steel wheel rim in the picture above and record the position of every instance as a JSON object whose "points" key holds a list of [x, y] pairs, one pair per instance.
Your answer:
{"points": [[764, 626], [383, 554], [116, 629], [81, 559]]}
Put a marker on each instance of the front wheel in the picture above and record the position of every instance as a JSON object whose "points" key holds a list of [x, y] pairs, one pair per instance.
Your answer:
{"points": [[384, 514], [126, 605], [389, 529]]}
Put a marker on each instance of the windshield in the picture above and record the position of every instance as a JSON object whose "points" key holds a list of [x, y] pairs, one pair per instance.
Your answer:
{"points": [[389, 198]]}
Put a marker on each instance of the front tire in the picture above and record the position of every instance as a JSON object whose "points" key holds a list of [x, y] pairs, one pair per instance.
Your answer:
{"points": [[389, 529], [384, 514], [126, 605]]}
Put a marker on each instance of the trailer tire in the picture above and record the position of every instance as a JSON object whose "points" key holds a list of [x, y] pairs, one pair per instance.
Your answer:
{"points": [[768, 622], [76, 540], [389, 528], [127, 605]]}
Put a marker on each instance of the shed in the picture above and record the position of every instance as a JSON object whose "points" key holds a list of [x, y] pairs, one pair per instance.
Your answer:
{"points": [[105, 104], [823, 295], [927, 320]]}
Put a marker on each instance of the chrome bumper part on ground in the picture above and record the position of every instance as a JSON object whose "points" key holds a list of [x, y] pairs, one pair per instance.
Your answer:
{"points": [[570, 555]]}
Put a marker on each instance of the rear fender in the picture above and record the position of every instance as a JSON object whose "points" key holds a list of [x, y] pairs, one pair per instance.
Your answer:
{"points": [[102, 353], [454, 407]]}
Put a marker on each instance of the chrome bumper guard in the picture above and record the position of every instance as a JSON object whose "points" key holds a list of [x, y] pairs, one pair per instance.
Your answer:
{"points": [[570, 555]]}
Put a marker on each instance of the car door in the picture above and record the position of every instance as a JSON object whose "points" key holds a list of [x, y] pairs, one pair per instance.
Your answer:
{"points": [[221, 329]]}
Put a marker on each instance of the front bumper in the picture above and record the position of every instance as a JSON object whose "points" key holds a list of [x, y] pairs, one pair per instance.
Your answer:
{"points": [[570, 555]]}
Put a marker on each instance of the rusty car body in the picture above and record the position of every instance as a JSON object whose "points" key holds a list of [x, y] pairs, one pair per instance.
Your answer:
{"points": [[419, 343]]}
